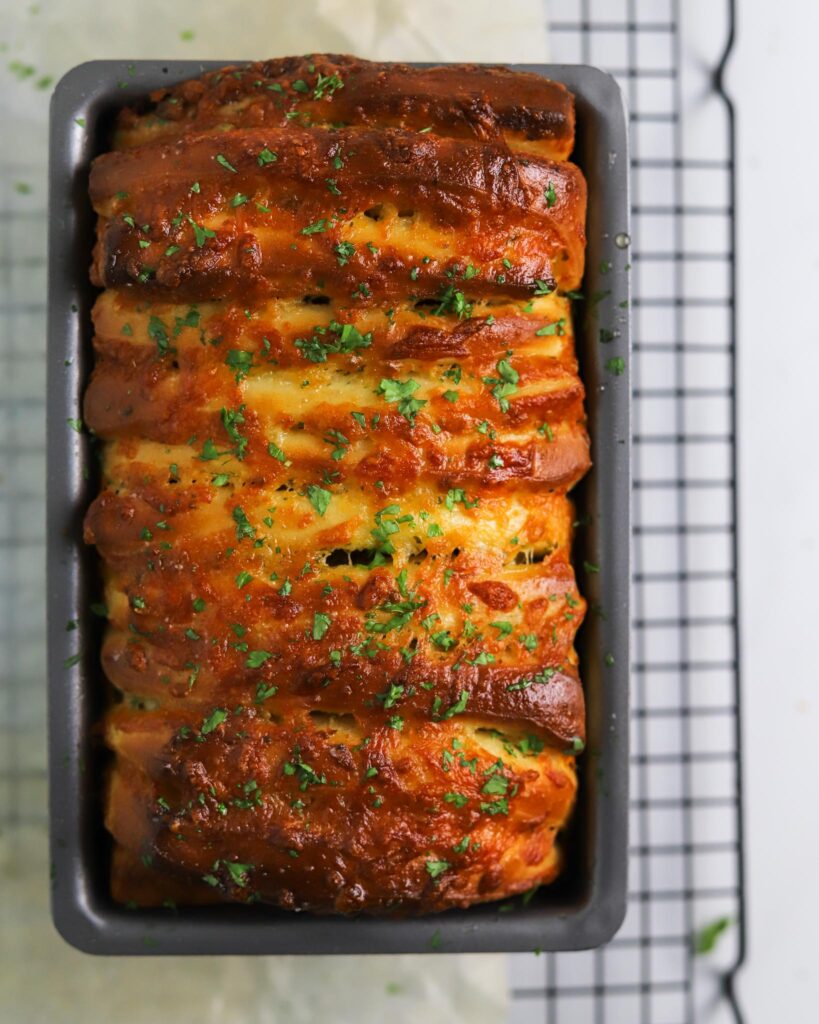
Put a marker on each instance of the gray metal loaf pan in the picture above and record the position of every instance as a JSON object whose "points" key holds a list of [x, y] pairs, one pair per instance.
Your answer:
{"points": [[586, 906]]}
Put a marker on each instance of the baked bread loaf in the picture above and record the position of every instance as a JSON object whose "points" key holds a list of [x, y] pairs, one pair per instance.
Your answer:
{"points": [[339, 411]]}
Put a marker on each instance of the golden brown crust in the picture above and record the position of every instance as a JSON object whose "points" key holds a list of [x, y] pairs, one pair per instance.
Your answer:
{"points": [[322, 817], [463, 101], [334, 517], [203, 218]]}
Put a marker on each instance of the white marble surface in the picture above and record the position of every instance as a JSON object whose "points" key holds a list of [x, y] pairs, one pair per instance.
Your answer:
{"points": [[773, 80]]}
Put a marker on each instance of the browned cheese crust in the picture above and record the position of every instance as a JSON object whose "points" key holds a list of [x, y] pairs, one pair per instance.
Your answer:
{"points": [[339, 411]]}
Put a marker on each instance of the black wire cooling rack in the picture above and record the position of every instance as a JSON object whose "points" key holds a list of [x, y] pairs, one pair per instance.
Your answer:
{"points": [[686, 875]]}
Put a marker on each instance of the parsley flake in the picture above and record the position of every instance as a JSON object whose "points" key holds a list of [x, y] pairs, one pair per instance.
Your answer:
{"points": [[240, 361], [401, 392], [319, 498], [243, 527], [321, 623], [316, 227], [435, 868], [505, 384], [457, 496], [558, 327], [256, 659], [158, 332], [217, 716], [344, 251], [451, 300], [326, 85]]}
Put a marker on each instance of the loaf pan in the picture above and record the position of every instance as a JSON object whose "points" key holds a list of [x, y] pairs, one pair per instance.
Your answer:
{"points": [[586, 905]]}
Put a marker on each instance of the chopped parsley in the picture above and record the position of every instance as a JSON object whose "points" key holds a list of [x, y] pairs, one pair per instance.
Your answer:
{"points": [[305, 774], [243, 527], [230, 419], [224, 162], [451, 300], [558, 327], [240, 361], [547, 430], [158, 332], [214, 719], [458, 707], [443, 640], [707, 937], [266, 156], [200, 233], [496, 785], [256, 659], [550, 195], [391, 696], [401, 392], [275, 452], [317, 227], [458, 799], [321, 623], [531, 744], [503, 628], [499, 806], [342, 338], [435, 868], [326, 85], [190, 319], [319, 498], [539, 677], [457, 496], [505, 384], [400, 613], [340, 444], [263, 691], [344, 252]]}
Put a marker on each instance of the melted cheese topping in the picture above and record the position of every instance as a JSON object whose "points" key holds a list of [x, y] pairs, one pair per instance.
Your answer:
{"points": [[339, 408]]}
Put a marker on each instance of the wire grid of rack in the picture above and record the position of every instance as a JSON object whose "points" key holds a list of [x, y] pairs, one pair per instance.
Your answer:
{"points": [[686, 830], [685, 817]]}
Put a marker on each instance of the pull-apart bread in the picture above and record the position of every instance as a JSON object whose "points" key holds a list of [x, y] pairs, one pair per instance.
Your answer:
{"points": [[339, 413]]}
